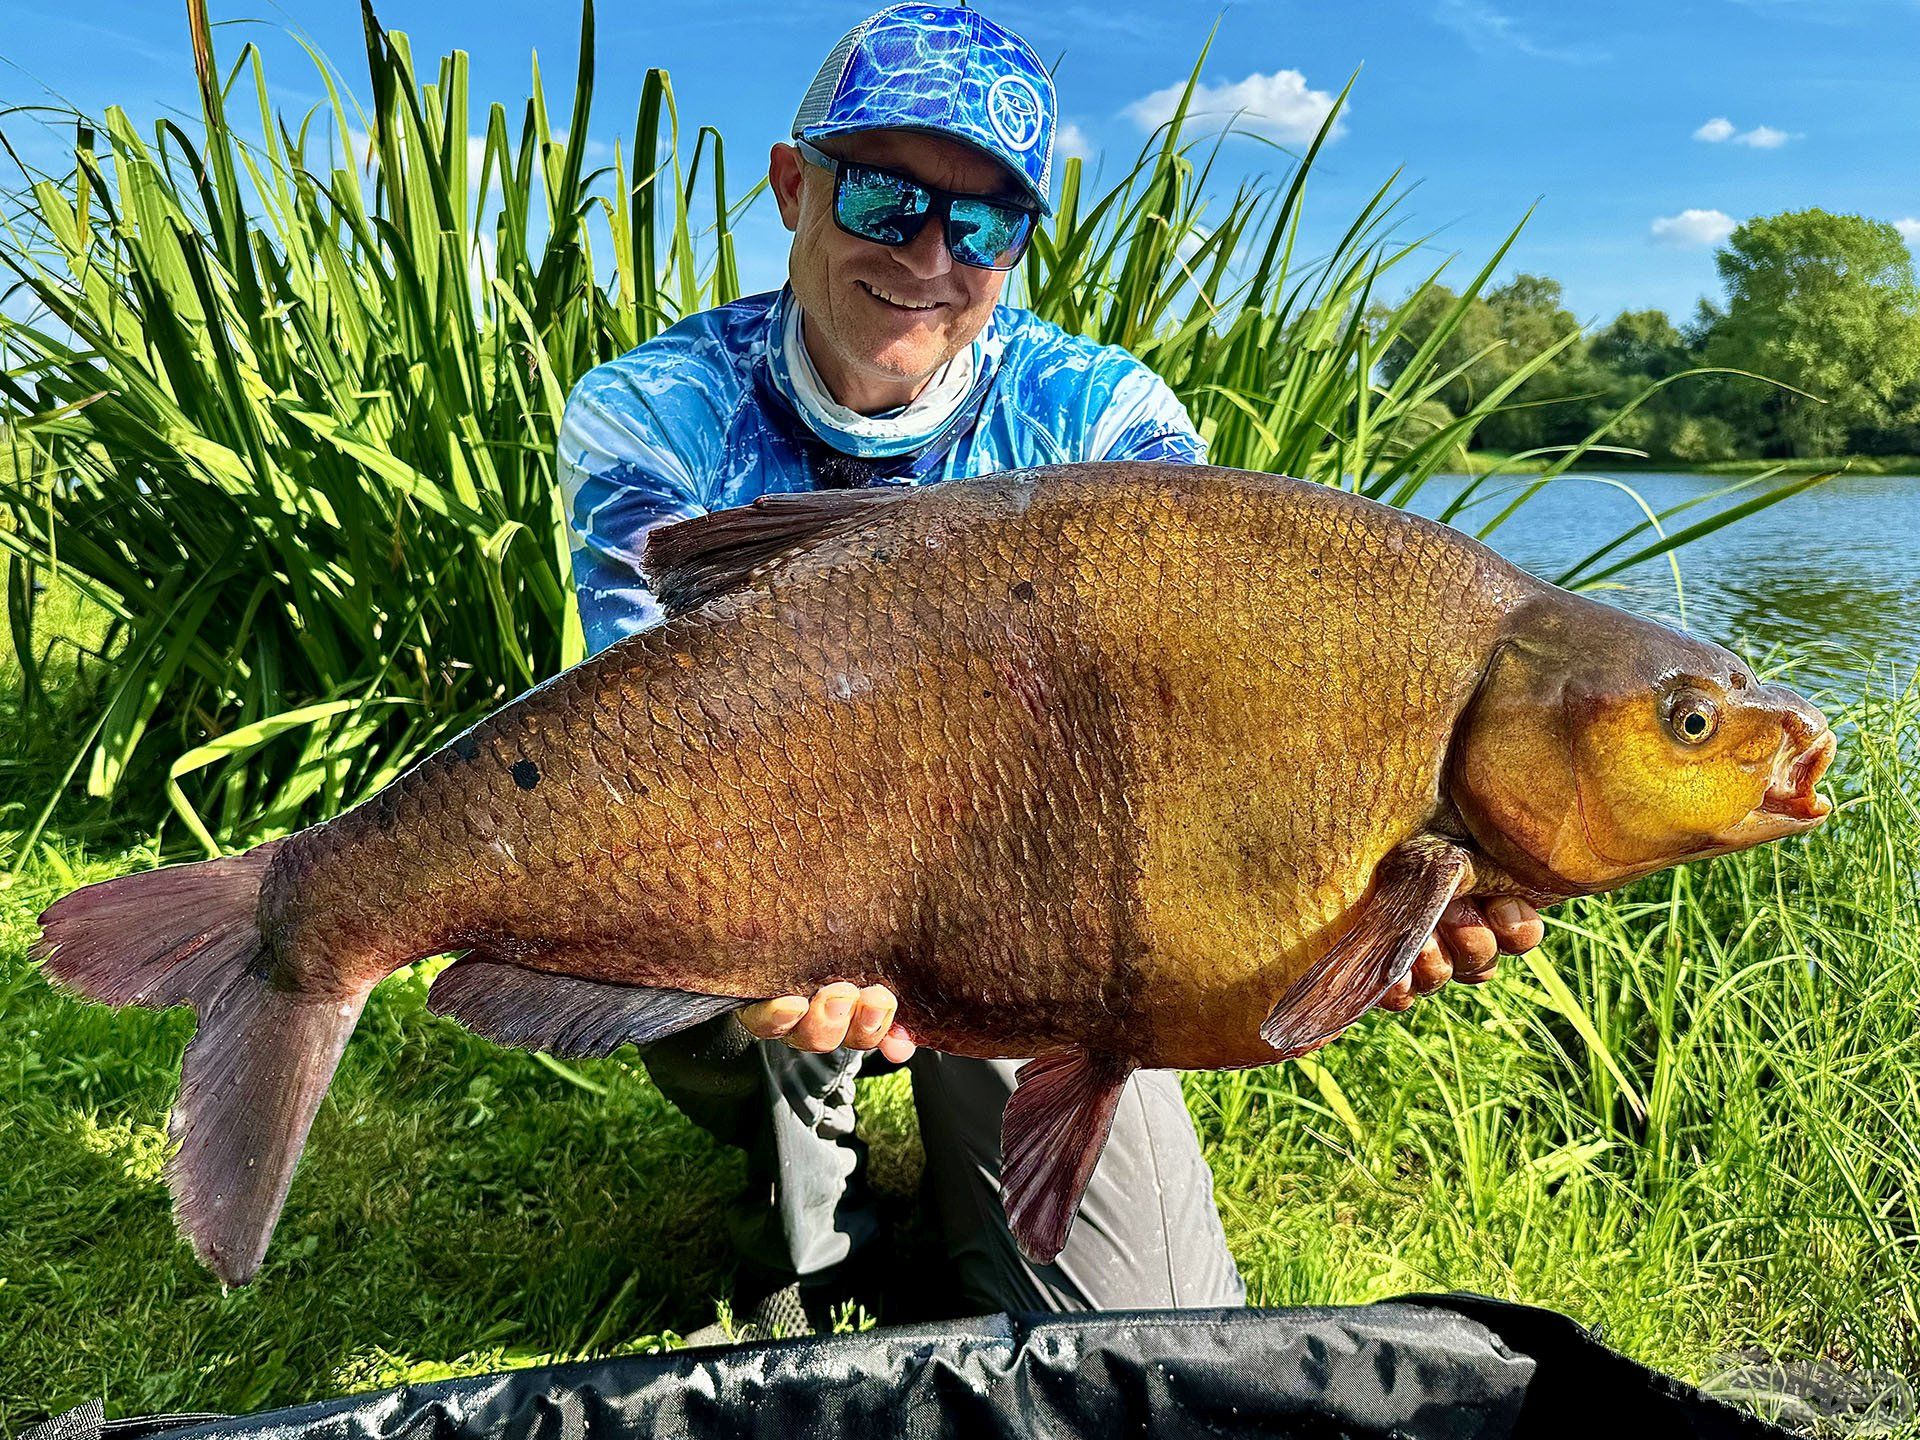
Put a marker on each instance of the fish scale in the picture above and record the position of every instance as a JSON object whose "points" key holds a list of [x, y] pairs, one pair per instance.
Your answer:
{"points": [[1117, 766]]}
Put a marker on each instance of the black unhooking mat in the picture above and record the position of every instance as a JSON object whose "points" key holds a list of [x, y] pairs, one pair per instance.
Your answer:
{"points": [[1426, 1365]]}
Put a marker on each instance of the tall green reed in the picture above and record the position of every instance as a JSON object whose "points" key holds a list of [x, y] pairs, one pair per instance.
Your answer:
{"points": [[289, 419], [290, 415]]}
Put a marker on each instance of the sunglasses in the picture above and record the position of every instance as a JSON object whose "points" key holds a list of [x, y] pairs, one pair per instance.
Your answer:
{"points": [[889, 208]]}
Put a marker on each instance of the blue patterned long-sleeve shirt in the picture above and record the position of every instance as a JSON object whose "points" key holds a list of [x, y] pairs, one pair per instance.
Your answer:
{"points": [[680, 426]]}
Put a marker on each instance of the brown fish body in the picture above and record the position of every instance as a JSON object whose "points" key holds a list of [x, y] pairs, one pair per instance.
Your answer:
{"points": [[1119, 766], [1102, 755]]}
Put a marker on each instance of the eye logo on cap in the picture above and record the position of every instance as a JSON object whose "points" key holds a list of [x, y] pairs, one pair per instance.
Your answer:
{"points": [[1013, 107]]}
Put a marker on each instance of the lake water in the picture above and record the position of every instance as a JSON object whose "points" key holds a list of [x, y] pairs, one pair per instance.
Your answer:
{"points": [[1830, 576]]}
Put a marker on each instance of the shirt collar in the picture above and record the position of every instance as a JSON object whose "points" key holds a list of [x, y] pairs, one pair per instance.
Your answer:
{"points": [[896, 432]]}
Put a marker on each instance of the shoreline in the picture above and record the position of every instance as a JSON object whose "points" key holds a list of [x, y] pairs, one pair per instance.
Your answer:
{"points": [[1876, 465]]}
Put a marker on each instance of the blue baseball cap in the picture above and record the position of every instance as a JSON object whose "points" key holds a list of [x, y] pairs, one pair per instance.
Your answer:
{"points": [[944, 70]]}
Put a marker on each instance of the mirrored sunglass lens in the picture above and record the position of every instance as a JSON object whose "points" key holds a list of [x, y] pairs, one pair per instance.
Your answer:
{"points": [[983, 233], [880, 206]]}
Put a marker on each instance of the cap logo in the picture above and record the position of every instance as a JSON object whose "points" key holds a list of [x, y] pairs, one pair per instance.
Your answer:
{"points": [[1013, 107]]}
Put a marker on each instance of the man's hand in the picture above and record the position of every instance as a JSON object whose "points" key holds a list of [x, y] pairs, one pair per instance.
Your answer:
{"points": [[839, 1014], [1466, 946]]}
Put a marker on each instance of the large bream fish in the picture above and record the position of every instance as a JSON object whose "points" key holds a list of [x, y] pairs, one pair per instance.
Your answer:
{"points": [[1117, 766]]}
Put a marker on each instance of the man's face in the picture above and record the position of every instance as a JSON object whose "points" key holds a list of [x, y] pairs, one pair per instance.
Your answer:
{"points": [[880, 320]]}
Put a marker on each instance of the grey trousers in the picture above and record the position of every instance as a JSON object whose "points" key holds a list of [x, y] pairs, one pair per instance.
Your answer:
{"points": [[1148, 1233]]}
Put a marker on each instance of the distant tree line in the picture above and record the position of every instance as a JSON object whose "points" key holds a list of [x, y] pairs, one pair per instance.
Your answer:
{"points": [[1824, 303]]}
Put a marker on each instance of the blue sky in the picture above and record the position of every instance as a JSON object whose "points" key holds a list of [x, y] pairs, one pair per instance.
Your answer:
{"points": [[1643, 130]]}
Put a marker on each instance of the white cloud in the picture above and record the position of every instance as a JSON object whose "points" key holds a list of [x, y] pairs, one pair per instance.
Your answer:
{"points": [[1719, 130], [1693, 228], [1909, 229], [1081, 18], [1070, 139], [1487, 30], [1280, 106], [1189, 245]]}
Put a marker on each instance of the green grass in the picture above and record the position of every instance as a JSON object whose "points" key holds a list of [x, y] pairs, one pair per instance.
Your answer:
{"points": [[459, 1201], [62, 636], [1742, 1172]]}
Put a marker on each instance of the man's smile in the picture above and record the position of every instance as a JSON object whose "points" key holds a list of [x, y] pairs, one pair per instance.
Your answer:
{"points": [[898, 302]]}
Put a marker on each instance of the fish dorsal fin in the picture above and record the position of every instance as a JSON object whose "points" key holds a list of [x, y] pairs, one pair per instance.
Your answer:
{"points": [[690, 563]]}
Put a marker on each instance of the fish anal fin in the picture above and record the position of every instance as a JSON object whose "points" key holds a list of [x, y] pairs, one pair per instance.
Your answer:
{"points": [[1051, 1135], [689, 563], [1412, 886], [564, 1014]]}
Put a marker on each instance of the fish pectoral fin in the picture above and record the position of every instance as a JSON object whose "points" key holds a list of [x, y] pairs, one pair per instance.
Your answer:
{"points": [[689, 563], [564, 1014], [1412, 886], [1051, 1135]]}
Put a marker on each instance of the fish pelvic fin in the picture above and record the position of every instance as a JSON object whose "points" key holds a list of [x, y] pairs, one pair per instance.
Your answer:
{"points": [[692, 562], [260, 1061], [1051, 1135], [1412, 886], [564, 1014]]}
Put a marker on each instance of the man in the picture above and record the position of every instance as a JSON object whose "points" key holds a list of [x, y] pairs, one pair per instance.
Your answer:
{"points": [[920, 165]]}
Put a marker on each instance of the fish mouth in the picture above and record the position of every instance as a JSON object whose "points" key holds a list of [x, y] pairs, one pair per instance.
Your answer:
{"points": [[1791, 794]]}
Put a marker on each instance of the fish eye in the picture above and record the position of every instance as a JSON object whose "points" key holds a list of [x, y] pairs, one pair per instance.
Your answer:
{"points": [[1693, 718]]}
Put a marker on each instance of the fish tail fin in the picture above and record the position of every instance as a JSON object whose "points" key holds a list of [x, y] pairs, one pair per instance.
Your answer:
{"points": [[249, 1088], [260, 1061]]}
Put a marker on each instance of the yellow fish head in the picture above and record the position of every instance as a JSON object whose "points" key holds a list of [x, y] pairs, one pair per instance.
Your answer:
{"points": [[1601, 747]]}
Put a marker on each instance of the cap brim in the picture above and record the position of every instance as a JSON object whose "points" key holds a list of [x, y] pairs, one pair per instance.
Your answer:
{"points": [[825, 132]]}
